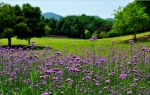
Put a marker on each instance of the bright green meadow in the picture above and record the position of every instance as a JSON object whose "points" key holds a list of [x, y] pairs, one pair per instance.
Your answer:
{"points": [[60, 43]]}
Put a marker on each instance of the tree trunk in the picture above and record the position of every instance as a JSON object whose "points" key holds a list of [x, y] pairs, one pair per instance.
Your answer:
{"points": [[134, 37], [9, 42], [28, 41]]}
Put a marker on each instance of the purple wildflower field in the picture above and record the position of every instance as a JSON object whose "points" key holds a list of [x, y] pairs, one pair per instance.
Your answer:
{"points": [[24, 71]]}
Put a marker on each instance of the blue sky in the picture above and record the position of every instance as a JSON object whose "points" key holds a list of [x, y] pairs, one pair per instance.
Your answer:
{"points": [[102, 8]]}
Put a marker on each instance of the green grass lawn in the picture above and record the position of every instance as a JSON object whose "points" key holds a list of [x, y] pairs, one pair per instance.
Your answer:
{"points": [[60, 43]]}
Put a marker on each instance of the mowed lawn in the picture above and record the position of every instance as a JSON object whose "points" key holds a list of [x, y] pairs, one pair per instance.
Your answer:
{"points": [[60, 43]]}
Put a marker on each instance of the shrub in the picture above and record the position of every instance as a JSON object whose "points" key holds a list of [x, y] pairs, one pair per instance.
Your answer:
{"points": [[87, 34], [102, 34], [112, 34], [95, 34]]}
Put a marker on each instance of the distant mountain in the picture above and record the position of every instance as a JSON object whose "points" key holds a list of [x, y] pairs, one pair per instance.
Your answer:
{"points": [[57, 17], [96, 16], [51, 15], [104, 19], [109, 19]]}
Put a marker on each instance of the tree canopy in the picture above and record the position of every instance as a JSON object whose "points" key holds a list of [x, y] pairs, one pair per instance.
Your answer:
{"points": [[23, 22], [130, 19], [7, 21]]}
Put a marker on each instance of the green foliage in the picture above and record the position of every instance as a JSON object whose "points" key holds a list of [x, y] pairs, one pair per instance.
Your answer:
{"points": [[7, 17], [130, 19], [8, 33], [74, 26], [34, 21], [102, 34], [47, 29], [112, 34], [87, 34], [51, 23], [7, 21], [21, 30], [95, 34], [145, 4], [39, 31], [25, 22]]}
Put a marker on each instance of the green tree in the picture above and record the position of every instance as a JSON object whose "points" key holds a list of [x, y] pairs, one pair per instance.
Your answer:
{"points": [[34, 21], [130, 19], [8, 33], [65, 28], [47, 29], [87, 34], [145, 4], [7, 21], [52, 24], [21, 30], [74, 26], [59, 26]]}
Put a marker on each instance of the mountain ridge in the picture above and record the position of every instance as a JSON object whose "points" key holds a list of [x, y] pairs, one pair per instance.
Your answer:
{"points": [[48, 15]]}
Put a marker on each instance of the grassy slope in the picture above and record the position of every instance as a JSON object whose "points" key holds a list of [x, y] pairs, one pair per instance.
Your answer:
{"points": [[59, 43]]}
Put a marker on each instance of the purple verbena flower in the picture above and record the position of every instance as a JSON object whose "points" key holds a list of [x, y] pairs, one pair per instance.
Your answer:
{"points": [[68, 79], [134, 85], [113, 41], [129, 92], [106, 87], [61, 92], [100, 92], [55, 79], [42, 77], [144, 49], [128, 62], [123, 76], [131, 42], [47, 46], [45, 93], [48, 71], [135, 80], [88, 78], [93, 38], [97, 84], [107, 81]]}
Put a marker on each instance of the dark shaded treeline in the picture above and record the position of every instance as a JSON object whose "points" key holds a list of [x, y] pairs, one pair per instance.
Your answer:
{"points": [[81, 26]]}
